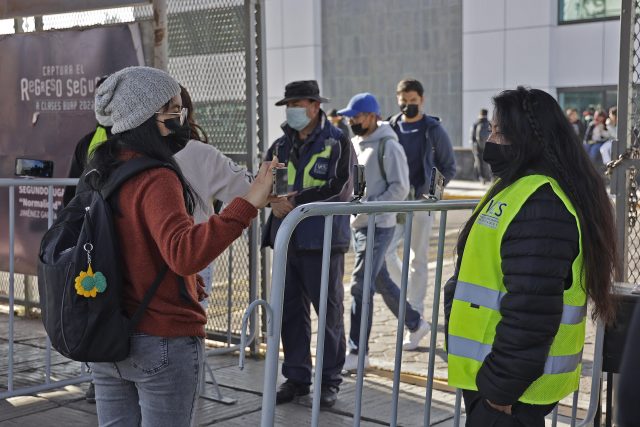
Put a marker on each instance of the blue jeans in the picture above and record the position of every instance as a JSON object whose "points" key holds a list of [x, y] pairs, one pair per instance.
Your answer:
{"points": [[157, 385], [380, 282]]}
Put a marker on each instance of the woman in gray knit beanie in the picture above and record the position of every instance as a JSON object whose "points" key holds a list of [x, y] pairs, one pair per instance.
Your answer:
{"points": [[158, 383]]}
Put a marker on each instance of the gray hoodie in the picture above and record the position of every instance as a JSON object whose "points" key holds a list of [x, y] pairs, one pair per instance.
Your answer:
{"points": [[396, 186]]}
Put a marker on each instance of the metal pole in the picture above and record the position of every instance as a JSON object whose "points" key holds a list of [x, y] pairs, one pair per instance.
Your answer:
{"points": [[262, 95], [49, 224], [434, 318], [554, 417], [625, 110], [574, 409], [44, 387], [12, 225], [252, 147], [160, 35], [276, 300], [364, 318], [322, 319], [457, 408], [596, 378], [39, 23], [402, 311], [229, 293]]}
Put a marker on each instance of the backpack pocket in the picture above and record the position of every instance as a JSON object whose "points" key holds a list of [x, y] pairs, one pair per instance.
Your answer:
{"points": [[50, 277]]}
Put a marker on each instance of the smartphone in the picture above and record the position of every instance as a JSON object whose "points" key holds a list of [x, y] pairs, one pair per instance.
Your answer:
{"points": [[359, 182], [436, 186], [34, 167], [280, 181]]}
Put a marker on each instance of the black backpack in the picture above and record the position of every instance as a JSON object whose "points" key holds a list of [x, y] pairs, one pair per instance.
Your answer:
{"points": [[482, 130], [80, 277]]}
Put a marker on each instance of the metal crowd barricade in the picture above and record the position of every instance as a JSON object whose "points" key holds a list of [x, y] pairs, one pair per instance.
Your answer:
{"points": [[275, 306], [11, 184]]}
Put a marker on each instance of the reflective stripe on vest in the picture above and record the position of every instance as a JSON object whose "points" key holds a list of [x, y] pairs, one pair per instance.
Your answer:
{"points": [[490, 298], [464, 347], [475, 312], [309, 181]]}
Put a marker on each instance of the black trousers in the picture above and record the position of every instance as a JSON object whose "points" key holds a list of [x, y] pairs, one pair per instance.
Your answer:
{"points": [[302, 288], [480, 414]]}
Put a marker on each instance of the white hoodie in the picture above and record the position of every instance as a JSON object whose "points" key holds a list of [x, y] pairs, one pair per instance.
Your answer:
{"points": [[212, 175], [396, 186]]}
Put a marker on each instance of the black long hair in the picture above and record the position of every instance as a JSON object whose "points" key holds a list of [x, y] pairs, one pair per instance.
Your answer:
{"points": [[145, 140], [542, 140]]}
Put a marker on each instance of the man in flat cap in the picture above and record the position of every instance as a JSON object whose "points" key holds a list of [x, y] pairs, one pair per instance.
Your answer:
{"points": [[319, 159]]}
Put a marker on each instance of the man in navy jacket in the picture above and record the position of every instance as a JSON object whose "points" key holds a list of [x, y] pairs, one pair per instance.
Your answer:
{"points": [[426, 145]]}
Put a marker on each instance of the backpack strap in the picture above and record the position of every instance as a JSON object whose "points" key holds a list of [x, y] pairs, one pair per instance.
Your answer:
{"points": [[381, 145], [125, 171], [128, 170], [147, 297]]}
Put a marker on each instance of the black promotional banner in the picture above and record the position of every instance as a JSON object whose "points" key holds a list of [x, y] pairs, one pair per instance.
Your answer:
{"points": [[48, 82]]}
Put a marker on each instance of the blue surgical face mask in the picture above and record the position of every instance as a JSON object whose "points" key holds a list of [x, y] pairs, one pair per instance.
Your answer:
{"points": [[297, 117]]}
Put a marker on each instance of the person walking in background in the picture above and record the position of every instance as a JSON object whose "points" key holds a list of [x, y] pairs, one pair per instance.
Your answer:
{"points": [[387, 178], [479, 133], [577, 124], [158, 383], [426, 144], [338, 121], [596, 135], [588, 115], [540, 243], [319, 159], [612, 126]]}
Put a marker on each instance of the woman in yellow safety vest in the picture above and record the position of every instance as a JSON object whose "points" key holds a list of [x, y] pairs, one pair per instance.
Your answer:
{"points": [[537, 247]]}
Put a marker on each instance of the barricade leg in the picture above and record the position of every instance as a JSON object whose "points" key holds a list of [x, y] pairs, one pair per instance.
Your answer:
{"points": [[364, 320], [322, 320], [401, 315], [434, 317]]}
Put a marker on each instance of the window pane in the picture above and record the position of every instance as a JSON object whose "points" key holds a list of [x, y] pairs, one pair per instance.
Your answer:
{"points": [[581, 101], [582, 10]]}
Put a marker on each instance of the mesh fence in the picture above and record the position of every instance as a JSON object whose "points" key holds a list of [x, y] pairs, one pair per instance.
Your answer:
{"points": [[207, 41], [632, 208]]}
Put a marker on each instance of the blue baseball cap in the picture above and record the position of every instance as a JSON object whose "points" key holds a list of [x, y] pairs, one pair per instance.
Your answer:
{"points": [[361, 103]]}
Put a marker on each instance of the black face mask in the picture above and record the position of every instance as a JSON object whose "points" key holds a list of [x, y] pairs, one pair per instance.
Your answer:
{"points": [[410, 110], [173, 124], [498, 156], [179, 137], [357, 129]]}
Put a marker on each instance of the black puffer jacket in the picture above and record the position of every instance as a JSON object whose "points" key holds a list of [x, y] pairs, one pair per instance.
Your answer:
{"points": [[538, 249]]}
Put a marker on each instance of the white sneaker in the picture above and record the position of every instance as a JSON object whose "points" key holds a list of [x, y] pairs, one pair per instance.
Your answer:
{"points": [[351, 362], [412, 339]]}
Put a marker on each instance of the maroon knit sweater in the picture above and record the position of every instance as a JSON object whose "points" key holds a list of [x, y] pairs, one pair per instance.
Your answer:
{"points": [[155, 229]]}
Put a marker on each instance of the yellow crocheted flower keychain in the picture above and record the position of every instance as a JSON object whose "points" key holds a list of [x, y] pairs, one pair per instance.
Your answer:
{"points": [[88, 283]]}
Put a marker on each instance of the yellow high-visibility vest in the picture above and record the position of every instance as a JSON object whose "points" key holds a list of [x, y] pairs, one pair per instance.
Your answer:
{"points": [[317, 161], [476, 306]]}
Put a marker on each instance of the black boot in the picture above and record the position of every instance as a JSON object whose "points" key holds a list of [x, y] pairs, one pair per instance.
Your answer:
{"points": [[328, 395], [289, 390]]}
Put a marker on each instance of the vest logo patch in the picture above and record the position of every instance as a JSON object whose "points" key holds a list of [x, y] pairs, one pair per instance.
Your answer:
{"points": [[321, 167], [491, 217]]}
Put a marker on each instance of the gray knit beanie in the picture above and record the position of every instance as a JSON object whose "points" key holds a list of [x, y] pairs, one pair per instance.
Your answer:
{"points": [[133, 95]]}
